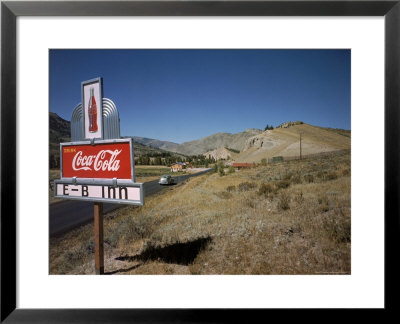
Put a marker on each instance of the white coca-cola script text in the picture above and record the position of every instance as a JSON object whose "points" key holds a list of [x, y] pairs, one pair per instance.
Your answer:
{"points": [[105, 160]]}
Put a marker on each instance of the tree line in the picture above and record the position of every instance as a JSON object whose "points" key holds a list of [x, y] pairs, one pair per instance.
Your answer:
{"points": [[268, 127], [155, 159]]}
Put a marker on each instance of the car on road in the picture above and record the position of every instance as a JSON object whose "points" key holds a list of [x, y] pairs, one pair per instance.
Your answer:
{"points": [[166, 179]]}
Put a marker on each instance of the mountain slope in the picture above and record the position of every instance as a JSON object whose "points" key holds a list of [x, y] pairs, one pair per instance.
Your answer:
{"points": [[59, 131], [164, 145], [221, 153], [286, 142], [215, 141]]}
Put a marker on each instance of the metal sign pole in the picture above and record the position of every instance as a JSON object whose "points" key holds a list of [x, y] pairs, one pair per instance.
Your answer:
{"points": [[98, 238]]}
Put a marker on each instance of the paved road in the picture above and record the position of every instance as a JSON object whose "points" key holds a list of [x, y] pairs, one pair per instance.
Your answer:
{"points": [[68, 214]]}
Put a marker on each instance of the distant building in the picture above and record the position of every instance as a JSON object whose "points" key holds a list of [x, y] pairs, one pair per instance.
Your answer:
{"points": [[178, 167], [242, 165], [275, 159]]}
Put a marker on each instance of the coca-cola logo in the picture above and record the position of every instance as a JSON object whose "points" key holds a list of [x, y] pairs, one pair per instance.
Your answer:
{"points": [[105, 160]]}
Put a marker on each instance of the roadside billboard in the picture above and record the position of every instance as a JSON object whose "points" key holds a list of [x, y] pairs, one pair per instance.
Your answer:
{"points": [[103, 159]]}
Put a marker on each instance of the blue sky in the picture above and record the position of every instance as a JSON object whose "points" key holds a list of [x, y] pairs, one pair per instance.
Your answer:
{"points": [[182, 95]]}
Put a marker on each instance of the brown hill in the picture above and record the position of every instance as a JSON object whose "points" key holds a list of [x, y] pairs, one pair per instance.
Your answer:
{"points": [[286, 142], [215, 141], [222, 153]]}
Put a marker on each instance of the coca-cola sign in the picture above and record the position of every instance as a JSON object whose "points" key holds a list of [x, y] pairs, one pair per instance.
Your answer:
{"points": [[92, 104], [101, 160]]}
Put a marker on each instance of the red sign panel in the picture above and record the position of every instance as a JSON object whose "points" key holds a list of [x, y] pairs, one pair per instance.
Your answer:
{"points": [[98, 161]]}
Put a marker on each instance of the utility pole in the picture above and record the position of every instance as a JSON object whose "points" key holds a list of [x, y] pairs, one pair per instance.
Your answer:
{"points": [[300, 147]]}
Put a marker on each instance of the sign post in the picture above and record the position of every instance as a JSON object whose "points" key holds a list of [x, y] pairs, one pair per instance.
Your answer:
{"points": [[98, 165], [98, 238]]}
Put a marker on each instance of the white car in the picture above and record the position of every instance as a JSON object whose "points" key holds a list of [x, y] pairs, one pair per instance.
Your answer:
{"points": [[166, 179]]}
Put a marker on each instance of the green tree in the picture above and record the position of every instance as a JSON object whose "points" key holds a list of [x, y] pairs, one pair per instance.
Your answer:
{"points": [[157, 160], [221, 169], [215, 168]]}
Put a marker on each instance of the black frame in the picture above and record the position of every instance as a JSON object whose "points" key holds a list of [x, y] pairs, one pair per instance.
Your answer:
{"points": [[10, 10]]}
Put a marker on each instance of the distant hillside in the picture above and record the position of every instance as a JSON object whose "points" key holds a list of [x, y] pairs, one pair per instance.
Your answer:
{"points": [[164, 145], [58, 126], [285, 141], [221, 153], [143, 149], [340, 131], [59, 131], [215, 141]]}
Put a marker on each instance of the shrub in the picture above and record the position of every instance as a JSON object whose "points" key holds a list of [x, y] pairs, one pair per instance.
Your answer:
{"points": [[76, 255], [299, 198], [309, 178], [345, 172], [224, 195], [322, 199], [215, 168], [283, 203], [282, 184], [287, 176], [324, 202], [231, 169], [296, 179], [265, 189], [130, 229], [330, 176], [245, 186], [230, 188], [337, 228], [248, 202], [141, 226], [276, 159], [263, 161]]}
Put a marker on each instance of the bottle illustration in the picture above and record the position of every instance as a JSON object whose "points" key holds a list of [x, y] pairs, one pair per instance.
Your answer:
{"points": [[92, 112]]}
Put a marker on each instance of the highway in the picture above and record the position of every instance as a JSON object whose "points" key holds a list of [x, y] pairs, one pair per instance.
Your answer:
{"points": [[69, 214]]}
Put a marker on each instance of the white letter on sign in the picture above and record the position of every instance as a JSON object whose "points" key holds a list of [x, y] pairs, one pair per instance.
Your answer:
{"points": [[78, 160]]}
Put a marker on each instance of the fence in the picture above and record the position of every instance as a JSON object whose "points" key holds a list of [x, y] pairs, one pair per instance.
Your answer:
{"points": [[276, 159]]}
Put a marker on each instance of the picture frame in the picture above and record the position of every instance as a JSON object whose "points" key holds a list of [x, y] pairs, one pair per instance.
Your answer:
{"points": [[10, 10]]}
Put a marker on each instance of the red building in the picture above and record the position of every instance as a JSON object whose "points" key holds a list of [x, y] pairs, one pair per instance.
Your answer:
{"points": [[242, 165]]}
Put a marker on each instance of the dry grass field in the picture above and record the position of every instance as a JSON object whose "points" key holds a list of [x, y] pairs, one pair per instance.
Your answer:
{"points": [[146, 173], [285, 218]]}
